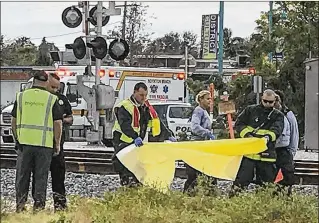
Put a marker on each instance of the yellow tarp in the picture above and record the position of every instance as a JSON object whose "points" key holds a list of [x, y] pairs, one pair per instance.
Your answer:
{"points": [[154, 163]]}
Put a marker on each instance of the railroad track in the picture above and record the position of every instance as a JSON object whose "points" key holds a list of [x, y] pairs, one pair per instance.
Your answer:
{"points": [[100, 162]]}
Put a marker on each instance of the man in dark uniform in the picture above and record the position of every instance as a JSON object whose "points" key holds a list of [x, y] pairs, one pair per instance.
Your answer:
{"points": [[58, 162], [133, 117], [259, 121], [36, 126]]}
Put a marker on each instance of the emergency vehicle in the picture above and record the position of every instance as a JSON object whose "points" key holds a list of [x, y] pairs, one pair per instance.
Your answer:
{"points": [[166, 92]]}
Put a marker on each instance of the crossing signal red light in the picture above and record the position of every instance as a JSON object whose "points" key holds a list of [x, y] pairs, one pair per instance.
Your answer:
{"points": [[119, 49], [78, 47], [99, 47]]}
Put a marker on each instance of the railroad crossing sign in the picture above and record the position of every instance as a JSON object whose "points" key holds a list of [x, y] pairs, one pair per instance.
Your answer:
{"points": [[226, 107]]}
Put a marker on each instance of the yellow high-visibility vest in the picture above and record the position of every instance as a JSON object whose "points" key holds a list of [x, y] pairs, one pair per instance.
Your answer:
{"points": [[154, 123], [34, 117]]}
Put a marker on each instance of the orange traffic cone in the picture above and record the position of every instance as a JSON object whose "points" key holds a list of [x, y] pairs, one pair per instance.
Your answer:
{"points": [[279, 176]]}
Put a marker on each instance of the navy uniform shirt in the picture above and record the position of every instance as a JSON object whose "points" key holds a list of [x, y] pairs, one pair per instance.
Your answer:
{"points": [[64, 104], [66, 110]]}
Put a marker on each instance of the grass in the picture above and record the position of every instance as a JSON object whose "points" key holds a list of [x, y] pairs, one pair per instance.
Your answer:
{"points": [[145, 205]]}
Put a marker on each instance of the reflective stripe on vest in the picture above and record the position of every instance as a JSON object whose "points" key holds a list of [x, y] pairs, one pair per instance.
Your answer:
{"points": [[154, 123], [129, 106], [258, 157], [261, 132], [34, 117]]}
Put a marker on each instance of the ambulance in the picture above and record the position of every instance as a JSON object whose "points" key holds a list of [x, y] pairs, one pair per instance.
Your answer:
{"points": [[166, 91]]}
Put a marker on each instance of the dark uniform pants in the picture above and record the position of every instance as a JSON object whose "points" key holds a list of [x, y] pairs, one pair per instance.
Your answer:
{"points": [[192, 175], [35, 160], [127, 178], [58, 177], [265, 172], [285, 162]]}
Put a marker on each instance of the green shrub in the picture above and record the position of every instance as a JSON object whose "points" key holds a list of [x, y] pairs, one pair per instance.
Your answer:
{"points": [[145, 205]]}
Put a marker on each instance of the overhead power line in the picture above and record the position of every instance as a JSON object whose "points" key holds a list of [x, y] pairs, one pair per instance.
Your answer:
{"points": [[65, 34]]}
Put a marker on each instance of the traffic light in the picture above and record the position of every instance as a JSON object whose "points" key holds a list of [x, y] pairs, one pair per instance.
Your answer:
{"points": [[92, 14], [99, 47], [78, 47], [71, 17], [119, 49]]}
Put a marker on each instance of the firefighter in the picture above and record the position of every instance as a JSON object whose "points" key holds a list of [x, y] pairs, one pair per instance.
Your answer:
{"points": [[57, 167], [36, 124], [265, 121], [286, 147], [201, 127], [133, 117]]}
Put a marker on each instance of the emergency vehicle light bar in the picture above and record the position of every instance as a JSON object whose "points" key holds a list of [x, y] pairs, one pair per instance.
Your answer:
{"points": [[179, 76], [113, 73], [102, 73], [62, 72]]}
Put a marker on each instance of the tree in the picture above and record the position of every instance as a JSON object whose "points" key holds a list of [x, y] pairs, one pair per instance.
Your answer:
{"points": [[43, 57], [21, 51], [299, 29], [174, 43], [136, 20], [234, 46], [190, 38]]}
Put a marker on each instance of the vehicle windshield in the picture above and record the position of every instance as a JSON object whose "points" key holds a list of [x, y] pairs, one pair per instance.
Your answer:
{"points": [[180, 112]]}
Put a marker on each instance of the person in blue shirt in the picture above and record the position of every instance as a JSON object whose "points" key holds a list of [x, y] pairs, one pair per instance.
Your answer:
{"points": [[201, 127], [287, 144]]}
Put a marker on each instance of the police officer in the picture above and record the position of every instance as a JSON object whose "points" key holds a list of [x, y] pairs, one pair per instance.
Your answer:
{"points": [[58, 162], [265, 121], [133, 117], [287, 145], [36, 124], [201, 130]]}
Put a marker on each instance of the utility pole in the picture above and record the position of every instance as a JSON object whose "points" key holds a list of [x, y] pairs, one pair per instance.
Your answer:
{"points": [[86, 30], [221, 38], [270, 27], [98, 33], [124, 20], [186, 72]]}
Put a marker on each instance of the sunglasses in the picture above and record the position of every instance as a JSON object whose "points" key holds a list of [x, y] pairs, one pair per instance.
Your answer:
{"points": [[267, 101]]}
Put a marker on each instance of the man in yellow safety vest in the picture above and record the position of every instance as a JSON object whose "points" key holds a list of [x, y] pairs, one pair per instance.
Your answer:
{"points": [[36, 123], [133, 117]]}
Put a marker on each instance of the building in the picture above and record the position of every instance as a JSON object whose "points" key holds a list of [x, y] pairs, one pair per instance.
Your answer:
{"points": [[311, 105]]}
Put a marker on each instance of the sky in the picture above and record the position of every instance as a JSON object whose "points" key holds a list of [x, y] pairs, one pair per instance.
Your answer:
{"points": [[39, 19]]}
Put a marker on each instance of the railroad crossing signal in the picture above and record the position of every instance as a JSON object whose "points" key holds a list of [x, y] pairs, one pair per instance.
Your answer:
{"points": [[78, 47], [71, 17], [99, 47], [93, 20], [119, 49]]}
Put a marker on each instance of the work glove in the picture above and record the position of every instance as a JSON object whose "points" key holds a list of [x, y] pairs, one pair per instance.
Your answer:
{"points": [[211, 136], [138, 142], [172, 139]]}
